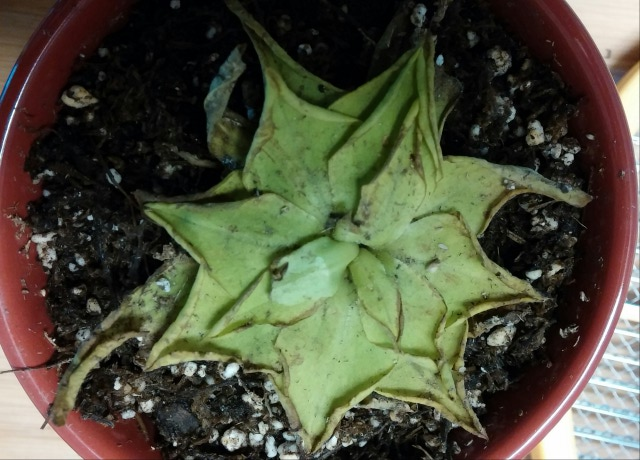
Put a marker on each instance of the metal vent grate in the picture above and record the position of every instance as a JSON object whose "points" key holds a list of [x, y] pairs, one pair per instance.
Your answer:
{"points": [[606, 416]]}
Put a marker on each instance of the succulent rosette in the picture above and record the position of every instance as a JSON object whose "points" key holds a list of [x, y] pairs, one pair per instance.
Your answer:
{"points": [[342, 259]]}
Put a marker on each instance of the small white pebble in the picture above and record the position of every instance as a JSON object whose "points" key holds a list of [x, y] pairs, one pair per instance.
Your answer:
{"points": [[501, 336], [202, 371], [347, 442], [147, 406], [274, 398], [332, 443], [591, 137], [78, 97], [93, 306], [164, 284], [230, 371], [46, 254], [419, 15], [211, 32], [289, 436], [175, 4], [117, 384], [256, 439], [555, 268], [127, 414], [269, 386], [209, 380], [288, 451], [214, 436], [512, 115], [175, 370], [583, 297], [72, 267], [501, 60], [140, 385], [535, 134], [554, 151], [277, 425], [90, 217], [374, 422], [80, 260], [534, 274], [263, 428], [113, 177], [568, 158], [77, 291], [234, 439], [46, 193], [305, 48], [83, 334], [362, 443], [253, 400], [440, 60], [474, 132], [190, 369], [473, 38], [270, 447]]}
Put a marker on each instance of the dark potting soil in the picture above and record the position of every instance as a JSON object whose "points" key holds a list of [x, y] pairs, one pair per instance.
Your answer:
{"points": [[147, 132]]}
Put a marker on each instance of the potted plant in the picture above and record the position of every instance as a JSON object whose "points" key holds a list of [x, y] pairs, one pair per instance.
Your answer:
{"points": [[359, 237]]}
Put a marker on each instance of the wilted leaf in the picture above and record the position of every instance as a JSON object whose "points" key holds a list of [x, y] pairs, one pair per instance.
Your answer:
{"points": [[190, 336], [145, 313], [478, 189], [228, 134]]}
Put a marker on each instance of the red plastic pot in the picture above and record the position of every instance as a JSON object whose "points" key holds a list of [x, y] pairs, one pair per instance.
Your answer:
{"points": [[517, 419]]}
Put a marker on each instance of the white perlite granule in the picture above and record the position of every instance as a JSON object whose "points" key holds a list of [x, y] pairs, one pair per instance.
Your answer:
{"points": [[270, 447], [501, 60], [234, 439], [535, 134], [230, 371], [418, 15], [501, 336], [46, 254]]}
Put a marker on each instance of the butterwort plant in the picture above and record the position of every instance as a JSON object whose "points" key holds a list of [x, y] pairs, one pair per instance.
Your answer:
{"points": [[342, 259]]}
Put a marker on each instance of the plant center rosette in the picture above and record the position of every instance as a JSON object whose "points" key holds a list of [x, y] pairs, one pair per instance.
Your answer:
{"points": [[342, 260]]}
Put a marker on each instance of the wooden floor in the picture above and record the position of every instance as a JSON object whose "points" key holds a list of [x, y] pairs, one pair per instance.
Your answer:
{"points": [[614, 26]]}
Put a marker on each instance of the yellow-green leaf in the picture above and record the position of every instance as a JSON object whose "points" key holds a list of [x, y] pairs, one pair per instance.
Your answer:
{"points": [[478, 189], [302, 82], [389, 202], [329, 365], [236, 241], [143, 313], [311, 272]]}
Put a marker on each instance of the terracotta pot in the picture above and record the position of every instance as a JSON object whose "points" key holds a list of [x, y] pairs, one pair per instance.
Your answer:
{"points": [[519, 418]]}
